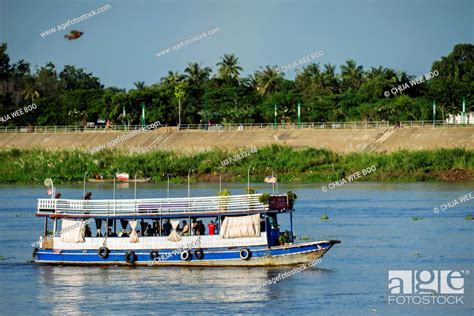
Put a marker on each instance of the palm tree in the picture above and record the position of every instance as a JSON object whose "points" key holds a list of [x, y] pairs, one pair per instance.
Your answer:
{"points": [[229, 68], [268, 80], [250, 82], [310, 80], [179, 92], [139, 85], [390, 74], [375, 72], [196, 75], [330, 81], [310, 74], [352, 75], [30, 91], [172, 78]]}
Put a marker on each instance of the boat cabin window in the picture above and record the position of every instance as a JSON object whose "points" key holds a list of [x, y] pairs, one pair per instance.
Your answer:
{"points": [[153, 227], [273, 221]]}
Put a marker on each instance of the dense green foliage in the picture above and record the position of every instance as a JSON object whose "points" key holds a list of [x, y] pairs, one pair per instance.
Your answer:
{"points": [[74, 96], [291, 165]]}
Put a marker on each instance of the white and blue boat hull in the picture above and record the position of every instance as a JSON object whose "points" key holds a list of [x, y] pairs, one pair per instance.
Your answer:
{"points": [[223, 256]]}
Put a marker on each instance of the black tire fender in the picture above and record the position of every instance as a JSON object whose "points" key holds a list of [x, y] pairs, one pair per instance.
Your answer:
{"points": [[185, 255], [130, 257], [198, 253], [245, 254], [103, 252]]}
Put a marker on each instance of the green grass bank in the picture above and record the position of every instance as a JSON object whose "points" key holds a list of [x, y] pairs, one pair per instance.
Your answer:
{"points": [[291, 165]]}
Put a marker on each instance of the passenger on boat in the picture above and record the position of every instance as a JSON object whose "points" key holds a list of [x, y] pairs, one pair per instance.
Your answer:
{"points": [[200, 228], [110, 233], [156, 229], [150, 231], [167, 227], [212, 228], [143, 225], [184, 228], [58, 195], [195, 227], [87, 232]]}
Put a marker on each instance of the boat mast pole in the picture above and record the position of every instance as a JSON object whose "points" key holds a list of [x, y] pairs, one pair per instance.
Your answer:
{"points": [[291, 226], [45, 232], [135, 194], [114, 195], [189, 191], [168, 192], [84, 185], [220, 183], [248, 179]]}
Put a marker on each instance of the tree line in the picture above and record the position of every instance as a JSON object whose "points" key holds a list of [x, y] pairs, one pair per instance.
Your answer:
{"points": [[73, 96]]}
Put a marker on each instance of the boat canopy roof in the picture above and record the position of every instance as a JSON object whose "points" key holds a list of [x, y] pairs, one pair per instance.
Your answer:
{"points": [[163, 207]]}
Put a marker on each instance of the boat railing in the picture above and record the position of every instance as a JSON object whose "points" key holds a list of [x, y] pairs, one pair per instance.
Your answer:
{"points": [[142, 207]]}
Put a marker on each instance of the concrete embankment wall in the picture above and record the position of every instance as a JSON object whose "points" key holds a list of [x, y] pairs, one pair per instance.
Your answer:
{"points": [[343, 140]]}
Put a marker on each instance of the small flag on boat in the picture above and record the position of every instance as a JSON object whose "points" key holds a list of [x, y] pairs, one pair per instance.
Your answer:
{"points": [[270, 179]]}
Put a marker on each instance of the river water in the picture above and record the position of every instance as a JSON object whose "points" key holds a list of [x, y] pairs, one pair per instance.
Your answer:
{"points": [[382, 226]]}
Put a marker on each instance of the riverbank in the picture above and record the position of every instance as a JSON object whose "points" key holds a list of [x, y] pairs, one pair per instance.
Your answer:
{"points": [[339, 139], [291, 165]]}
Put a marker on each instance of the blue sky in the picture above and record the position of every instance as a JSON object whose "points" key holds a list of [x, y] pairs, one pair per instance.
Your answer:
{"points": [[119, 46]]}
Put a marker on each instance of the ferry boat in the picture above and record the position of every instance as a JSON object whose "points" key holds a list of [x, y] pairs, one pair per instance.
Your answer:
{"points": [[151, 232]]}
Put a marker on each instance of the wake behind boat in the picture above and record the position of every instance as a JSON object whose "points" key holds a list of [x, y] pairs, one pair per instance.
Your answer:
{"points": [[242, 230]]}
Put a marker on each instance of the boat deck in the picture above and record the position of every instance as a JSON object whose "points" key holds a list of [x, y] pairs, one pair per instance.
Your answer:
{"points": [[146, 208]]}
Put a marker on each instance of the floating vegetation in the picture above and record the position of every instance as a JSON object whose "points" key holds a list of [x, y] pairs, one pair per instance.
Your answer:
{"points": [[469, 217], [324, 217], [417, 254], [415, 218]]}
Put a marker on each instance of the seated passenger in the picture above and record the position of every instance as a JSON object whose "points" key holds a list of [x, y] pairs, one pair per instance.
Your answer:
{"points": [[156, 228], [166, 227], [184, 228], [110, 233], [201, 229], [149, 231], [88, 232], [212, 228], [195, 227]]}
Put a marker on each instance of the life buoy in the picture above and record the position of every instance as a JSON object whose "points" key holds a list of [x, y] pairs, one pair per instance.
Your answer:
{"points": [[198, 253], [245, 254], [103, 252], [33, 254], [154, 254], [130, 257], [185, 255]]}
